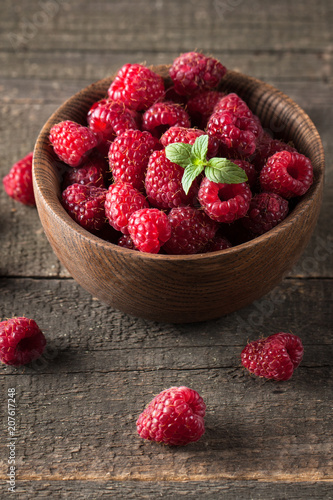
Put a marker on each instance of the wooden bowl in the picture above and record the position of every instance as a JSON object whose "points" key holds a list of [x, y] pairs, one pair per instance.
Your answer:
{"points": [[191, 288]]}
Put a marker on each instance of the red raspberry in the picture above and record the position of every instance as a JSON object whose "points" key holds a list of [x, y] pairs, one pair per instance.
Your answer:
{"points": [[129, 155], [287, 174], [122, 199], [126, 241], [224, 202], [191, 229], [266, 148], [201, 106], [192, 72], [266, 211], [92, 173], [110, 118], [164, 183], [163, 115], [72, 142], [21, 341], [174, 417], [232, 102], [18, 181], [137, 87], [188, 136], [149, 229], [249, 169], [85, 204], [275, 357], [216, 244]]}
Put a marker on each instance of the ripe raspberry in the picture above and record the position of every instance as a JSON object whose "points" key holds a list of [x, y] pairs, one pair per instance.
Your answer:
{"points": [[174, 417], [163, 115], [18, 181], [164, 183], [85, 204], [266, 211], [191, 229], [122, 199], [216, 244], [224, 202], [287, 174], [72, 142], [275, 357], [129, 155], [149, 228], [110, 118], [137, 87], [232, 102], [126, 241], [201, 106], [192, 72], [188, 136], [249, 169], [21, 341], [92, 173], [266, 148]]}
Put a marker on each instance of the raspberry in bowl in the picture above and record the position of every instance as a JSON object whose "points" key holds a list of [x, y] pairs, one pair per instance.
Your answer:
{"points": [[192, 287]]}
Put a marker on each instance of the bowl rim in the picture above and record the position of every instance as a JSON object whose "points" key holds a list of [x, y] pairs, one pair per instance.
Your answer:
{"points": [[54, 206]]}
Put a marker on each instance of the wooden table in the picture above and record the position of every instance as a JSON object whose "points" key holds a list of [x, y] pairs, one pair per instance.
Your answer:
{"points": [[77, 407]]}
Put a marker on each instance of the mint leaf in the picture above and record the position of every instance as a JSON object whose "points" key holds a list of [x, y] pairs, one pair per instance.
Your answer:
{"points": [[222, 170], [199, 149], [190, 173], [179, 153]]}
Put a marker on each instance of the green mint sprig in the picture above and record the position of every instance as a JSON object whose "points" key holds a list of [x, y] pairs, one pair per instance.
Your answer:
{"points": [[194, 161]]}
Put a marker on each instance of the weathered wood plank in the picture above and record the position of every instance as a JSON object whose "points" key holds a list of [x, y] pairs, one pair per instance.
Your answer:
{"points": [[167, 26]]}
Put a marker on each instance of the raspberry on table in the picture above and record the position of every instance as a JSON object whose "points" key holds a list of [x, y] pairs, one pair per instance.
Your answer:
{"points": [[85, 204], [163, 183], [266, 211], [224, 202], [287, 174], [149, 229], [193, 71], [191, 230], [93, 173], [163, 115], [129, 154], [21, 341], [72, 142], [137, 86], [122, 199], [188, 136], [201, 106], [275, 357], [174, 417], [18, 182]]}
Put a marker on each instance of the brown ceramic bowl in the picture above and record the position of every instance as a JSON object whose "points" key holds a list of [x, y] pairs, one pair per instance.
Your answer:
{"points": [[191, 288]]}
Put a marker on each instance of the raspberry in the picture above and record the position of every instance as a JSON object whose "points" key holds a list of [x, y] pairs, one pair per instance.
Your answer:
{"points": [[224, 202], [110, 118], [275, 357], [164, 183], [174, 417], [249, 169], [162, 115], [192, 72], [149, 228], [137, 87], [265, 212], [267, 147], [129, 155], [85, 204], [122, 199], [191, 229], [287, 174], [188, 136], [91, 173], [18, 181], [21, 341], [201, 106], [232, 102], [72, 142], [216, 244], [126, 241]]}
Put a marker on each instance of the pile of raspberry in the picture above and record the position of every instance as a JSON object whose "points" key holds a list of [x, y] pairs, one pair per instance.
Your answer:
{"points": [[121, 185]]}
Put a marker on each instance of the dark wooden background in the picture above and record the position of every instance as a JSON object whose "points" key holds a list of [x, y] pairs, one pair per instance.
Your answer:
{"points": [[77, 407]]}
